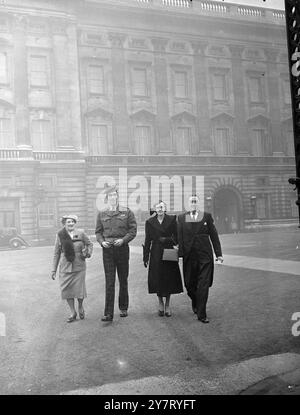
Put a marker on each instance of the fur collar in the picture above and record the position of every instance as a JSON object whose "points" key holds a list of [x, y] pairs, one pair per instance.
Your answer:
{"points": [[67, 244]]}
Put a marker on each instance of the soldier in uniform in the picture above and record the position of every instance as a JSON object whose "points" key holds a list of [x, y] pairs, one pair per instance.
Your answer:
{"points": [[115, 228]]}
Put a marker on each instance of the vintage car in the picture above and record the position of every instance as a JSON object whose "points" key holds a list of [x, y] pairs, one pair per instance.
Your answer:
{"points": [[10, 237]]}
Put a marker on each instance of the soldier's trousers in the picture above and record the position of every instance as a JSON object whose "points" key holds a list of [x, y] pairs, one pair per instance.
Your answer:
{"points": [[116, 259]]}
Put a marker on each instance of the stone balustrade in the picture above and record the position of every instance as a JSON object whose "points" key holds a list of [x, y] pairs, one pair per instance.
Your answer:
{"points": [[207, 7]]}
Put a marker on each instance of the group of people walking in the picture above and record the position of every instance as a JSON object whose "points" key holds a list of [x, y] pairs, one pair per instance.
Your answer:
{"points": [[192, 236]]}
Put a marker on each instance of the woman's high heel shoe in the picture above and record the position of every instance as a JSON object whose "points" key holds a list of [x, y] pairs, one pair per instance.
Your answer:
{"points": [[81, 314], [72, 318]]}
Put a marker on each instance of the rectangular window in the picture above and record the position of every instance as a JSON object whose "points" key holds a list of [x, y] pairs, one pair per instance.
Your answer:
{"points": [[290, 145], [255, 89], [6, 133], [47, 214], [140, 82], [286, 91], [3, 69], [222, 142], [219, 87], [261, 207], [181, 85], [260, 144], [41, 135], [183, 144], [98, 142], [95, 75], [38, 71], [143, 139]]}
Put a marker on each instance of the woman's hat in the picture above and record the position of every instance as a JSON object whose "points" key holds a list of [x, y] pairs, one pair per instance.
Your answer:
{"points": [[73, 217]]}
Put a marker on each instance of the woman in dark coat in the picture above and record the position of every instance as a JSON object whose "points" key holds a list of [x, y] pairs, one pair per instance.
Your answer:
{"points": [[164, 277]]}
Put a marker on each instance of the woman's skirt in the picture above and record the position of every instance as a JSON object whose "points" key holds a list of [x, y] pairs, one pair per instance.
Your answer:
{"points": [[72, 284]]}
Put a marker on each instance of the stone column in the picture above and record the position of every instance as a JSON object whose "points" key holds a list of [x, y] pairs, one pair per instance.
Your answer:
{"points": [[120, 116], [238, 80], [273, 97], [203, 118], [161, 87], [21, 82], [62, 85]]}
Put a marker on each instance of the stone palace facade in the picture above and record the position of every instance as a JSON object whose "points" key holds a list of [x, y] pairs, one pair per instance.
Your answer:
{"points": [[138, 90]]}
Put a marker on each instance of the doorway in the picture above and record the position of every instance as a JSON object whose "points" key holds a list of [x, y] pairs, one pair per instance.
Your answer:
{"points": [[226, 209]]}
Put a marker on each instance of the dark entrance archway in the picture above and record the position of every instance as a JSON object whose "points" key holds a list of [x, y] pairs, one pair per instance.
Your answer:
{"points": [[227, 212]]}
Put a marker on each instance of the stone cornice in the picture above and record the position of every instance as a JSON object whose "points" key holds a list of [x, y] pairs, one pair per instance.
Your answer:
{"points": [[117, 39], [236, 51], [159, 44], [199, 47]]}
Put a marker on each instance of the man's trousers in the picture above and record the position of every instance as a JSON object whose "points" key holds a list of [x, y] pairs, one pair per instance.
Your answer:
{"points": [[198, 286], [116, 259]]}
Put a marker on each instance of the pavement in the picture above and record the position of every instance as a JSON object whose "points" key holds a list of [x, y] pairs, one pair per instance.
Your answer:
{"points": [[269, 375], [250, 347]]}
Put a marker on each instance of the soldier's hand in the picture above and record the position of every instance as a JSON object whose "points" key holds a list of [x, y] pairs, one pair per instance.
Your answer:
{"points": [[53, 275], [105, 244], [145, 264], [220, 259], [118, 242]]}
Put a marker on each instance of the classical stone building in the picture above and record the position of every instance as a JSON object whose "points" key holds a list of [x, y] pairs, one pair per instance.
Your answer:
{"points": [[155, 88]]}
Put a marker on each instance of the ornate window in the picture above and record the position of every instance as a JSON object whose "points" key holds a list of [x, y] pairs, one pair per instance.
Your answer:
{"points": [[256, 89], [222, 142], [47, 214], [6, 133], [259, 142], [139, 82], [143, 139], [181, 84], [286, 91], [95, 77], [41, 135], [220, 92], [38, 71], [183, 140], [98, 143], [3, 68]]}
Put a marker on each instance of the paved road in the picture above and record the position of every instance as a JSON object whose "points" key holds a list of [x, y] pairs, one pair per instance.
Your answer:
{"points": [[250, 311]]}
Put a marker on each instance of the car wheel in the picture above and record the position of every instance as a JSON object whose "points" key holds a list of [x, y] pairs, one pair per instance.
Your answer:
{"points": [[15, 244]]}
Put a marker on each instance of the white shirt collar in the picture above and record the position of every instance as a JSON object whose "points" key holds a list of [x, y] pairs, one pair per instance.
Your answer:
{"points": [[194, 216]]}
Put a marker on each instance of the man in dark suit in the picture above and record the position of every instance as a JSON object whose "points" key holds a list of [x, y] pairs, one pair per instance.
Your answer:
{"points": [[196, 234]]}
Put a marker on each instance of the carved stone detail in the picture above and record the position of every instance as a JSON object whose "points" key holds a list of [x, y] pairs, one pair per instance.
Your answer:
{"points": [[117, 40]]}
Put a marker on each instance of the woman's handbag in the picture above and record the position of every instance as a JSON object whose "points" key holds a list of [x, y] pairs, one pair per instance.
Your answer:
{"points": [[170, 254]]}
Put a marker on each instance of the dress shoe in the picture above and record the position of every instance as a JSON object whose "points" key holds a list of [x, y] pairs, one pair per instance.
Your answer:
{"points": [[107, 318], [168, 313], [161, 313], [72, 318], [123, 313], [81, 314], [203, 320]]}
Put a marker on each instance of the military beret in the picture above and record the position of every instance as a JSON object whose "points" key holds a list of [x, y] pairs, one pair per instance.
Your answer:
{"points": [[110, 189]]}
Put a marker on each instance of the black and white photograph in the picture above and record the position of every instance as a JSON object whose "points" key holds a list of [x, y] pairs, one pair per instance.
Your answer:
{"points": [[149, 200]]}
